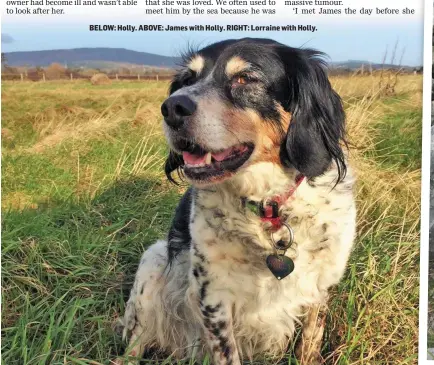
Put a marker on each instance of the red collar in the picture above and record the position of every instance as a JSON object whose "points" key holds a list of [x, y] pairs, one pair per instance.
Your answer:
{"points": [[268, 210]]}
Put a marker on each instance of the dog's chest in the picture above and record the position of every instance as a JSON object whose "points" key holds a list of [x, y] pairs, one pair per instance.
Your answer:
{"points": [[234, 246]]}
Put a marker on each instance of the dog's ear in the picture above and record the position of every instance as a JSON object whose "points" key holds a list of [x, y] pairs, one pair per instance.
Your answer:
{"points": [[173, 163], [317, 128]]}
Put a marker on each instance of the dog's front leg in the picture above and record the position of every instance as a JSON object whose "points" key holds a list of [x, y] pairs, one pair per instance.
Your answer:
{"points": [[309, 349], [217, 322], [215, 312]]}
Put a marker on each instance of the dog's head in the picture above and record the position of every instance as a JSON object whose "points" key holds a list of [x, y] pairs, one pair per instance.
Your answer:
{"points": [[240, 102]]}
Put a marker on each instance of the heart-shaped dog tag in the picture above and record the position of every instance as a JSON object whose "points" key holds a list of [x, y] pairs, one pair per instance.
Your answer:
{"points": [[280, 266]]}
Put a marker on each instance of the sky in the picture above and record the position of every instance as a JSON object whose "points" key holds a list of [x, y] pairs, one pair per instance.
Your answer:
{"points": [[342, 38]]}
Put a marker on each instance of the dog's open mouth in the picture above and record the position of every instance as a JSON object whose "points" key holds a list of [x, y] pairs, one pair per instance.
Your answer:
{"points": [[210, 166]]}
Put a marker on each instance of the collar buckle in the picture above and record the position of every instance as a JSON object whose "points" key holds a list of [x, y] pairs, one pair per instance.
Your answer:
{"points": [[263, 209], [269, 209]]}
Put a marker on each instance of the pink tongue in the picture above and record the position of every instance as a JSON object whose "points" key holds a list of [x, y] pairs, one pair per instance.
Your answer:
{"points": [[191, 159], [226, 153]]}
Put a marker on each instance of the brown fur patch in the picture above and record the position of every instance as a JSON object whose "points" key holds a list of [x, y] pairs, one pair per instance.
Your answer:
{"points": [[247, 126], [266, 135], [196, 64], [236, 65]]}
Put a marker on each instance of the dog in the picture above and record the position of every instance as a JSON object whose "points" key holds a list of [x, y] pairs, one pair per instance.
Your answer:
{"points": [[268, 224]]}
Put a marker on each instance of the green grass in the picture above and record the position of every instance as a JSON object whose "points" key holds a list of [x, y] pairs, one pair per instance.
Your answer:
{"points": [[71, 268], [84, 195], [398, 140]]}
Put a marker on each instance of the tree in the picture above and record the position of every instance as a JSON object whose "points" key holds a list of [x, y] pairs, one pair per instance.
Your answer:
{"points": [[55, 72]]}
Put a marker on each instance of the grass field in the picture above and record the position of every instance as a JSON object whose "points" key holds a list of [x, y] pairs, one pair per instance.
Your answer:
{"points": [[83, 194]]}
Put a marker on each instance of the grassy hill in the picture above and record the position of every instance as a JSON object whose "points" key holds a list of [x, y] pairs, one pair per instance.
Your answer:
{"points": [[78, 57], [104, 58]]}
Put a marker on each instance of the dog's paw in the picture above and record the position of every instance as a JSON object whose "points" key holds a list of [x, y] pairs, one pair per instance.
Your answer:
{"points": [[118, 326], [127, 323]]}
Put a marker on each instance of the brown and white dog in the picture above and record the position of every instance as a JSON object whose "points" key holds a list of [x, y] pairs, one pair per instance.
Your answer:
{"points": [[250, 123]]}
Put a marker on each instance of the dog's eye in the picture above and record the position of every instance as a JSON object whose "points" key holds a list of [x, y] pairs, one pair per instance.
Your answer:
{"points": [[240, 80]]}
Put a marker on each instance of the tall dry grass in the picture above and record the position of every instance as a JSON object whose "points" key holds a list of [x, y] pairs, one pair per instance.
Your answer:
{"points": [[375, 309], [82, 174]]}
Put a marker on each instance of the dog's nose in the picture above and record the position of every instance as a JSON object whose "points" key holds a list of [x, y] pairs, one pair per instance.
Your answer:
{"points": [[176, 108]]}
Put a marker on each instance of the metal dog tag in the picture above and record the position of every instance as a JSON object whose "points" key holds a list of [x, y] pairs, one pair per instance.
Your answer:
{"points": [[280, 266]]}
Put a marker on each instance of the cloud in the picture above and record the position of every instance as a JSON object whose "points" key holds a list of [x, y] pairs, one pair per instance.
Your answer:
{"points": [[6, 38]]}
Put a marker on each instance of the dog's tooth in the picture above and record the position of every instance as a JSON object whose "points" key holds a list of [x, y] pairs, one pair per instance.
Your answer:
{"points": [[208, 158]]}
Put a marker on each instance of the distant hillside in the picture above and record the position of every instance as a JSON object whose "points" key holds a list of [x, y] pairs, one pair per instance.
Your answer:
{"points": [[108, 58], [78, 57], [356, 64]]}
